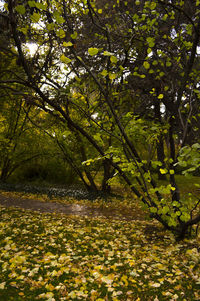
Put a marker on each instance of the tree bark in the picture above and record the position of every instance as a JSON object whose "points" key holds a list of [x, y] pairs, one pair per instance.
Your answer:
{"points": [[160, 143]]}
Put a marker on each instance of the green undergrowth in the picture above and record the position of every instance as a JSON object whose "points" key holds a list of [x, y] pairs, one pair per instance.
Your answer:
{"points": [[57, 257], [186, 184]]}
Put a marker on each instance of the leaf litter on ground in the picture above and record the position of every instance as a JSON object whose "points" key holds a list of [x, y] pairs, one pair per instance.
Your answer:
{"points": [[57, 257]]}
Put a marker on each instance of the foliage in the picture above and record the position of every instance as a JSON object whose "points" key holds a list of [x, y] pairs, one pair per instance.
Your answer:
{"points": [[189, 158], [15, 137], [123, 77], [27, 153], [53, 257]]}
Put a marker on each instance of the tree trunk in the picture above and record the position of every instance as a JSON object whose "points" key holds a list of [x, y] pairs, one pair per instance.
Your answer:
{"points": [[160, 144], [89, 176], [105, 187], [5, 170], [161, 157]]}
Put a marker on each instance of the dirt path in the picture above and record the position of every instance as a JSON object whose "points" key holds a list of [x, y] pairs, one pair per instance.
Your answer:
{"points": [[69, 209]]}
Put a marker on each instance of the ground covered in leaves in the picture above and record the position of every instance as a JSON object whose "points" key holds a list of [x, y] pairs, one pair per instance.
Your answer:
{"points": [[46, 256]]}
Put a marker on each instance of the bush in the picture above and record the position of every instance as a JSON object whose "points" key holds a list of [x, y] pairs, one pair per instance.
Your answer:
{"points": [[52, 171]]}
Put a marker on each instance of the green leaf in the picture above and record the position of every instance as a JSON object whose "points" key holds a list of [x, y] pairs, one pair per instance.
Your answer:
{"points": [[149, 50], [65, 59], [24, 30], [60, 33], [156, 163], [59, 19], [112, 75], [153, 210], [185, 217], [165, 209], [176, 204], [93, 51], [196, 146], [31, 3], [172, 222], [113, 59], [40, 5], [50, 26], [35, 17], [151, 41], [67, 44], [107, 53], [104, 72], [20, 9], [146, 65], [153, 5], [74, 35]]}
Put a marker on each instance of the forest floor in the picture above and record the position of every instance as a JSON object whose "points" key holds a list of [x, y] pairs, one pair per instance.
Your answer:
{"points": [[68, 249]]}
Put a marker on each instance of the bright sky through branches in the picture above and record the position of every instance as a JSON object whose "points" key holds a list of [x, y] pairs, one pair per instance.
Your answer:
{"points": [[32, 48]]}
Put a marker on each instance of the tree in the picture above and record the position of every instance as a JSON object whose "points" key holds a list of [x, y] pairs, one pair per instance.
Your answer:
{"points": [[14, 112], [149, 47]]}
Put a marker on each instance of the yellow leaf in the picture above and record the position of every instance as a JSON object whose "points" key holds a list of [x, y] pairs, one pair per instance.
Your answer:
{"points": [[160, 96], [54, 273], [72, 295], [93, 51], [112, 75], [108, 279], [162, 171], [65, 59], [68, 44], [124, 279], [2, 285], [161, 280], [155, 284], [21, 294], [49, 287]]}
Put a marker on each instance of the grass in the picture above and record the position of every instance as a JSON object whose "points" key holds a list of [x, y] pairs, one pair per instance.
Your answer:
{"points": [[185, 183], [56, 257]]}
